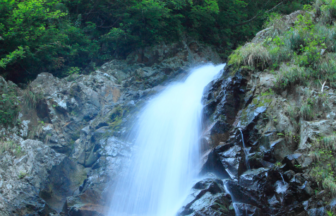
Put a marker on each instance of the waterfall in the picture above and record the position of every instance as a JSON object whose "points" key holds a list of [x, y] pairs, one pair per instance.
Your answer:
{"points": [[245, 150], [283, 180], [167, 138]]}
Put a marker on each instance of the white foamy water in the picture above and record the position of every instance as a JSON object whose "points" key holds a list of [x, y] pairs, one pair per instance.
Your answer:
{"points": [[168, 157]]}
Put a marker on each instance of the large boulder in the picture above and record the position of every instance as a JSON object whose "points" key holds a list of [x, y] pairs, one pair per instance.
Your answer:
{"points": [[208, 197], [23, 176]]}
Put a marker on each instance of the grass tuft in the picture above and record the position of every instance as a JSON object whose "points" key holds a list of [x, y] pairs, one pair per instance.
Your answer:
{"points": [[329, 184], [252, 54], [31, 99]]}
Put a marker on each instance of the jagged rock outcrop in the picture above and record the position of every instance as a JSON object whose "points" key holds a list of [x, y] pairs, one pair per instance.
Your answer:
{"points": [[68, 143], [266, 171], [208, 198], [23, 176]]}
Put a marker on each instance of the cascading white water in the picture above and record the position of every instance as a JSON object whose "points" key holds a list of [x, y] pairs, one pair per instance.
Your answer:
{"points": [[167, 137]]}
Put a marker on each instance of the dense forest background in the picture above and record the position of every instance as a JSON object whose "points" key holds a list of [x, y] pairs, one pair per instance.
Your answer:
{"points": [[74, 36]]}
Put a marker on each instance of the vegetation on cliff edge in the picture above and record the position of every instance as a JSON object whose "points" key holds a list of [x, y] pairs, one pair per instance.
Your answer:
{"points": [[65, 37], [301, 51]]}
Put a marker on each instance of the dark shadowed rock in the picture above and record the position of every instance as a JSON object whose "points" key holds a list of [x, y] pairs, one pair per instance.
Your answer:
{"points": [[208, 197]]}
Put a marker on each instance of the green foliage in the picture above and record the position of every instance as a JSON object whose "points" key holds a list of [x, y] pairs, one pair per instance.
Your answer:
{"points": [[72, 70], [70, 37], [38, 35], [329, 213], [22, 175], [324, 166], [254, 55], [268, 93], [12, 57], [300, 54], [277, 165], [30, 98], [10, 147], [307, 111], [289, 74], [276, 24], [9, 104], [303, 53], [327, 9]]}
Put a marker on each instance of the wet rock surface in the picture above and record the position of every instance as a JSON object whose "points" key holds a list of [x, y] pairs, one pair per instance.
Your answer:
{"points": [[264, 171], [208, 197]]}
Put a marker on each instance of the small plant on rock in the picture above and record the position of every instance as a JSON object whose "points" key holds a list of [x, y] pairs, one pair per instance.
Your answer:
{"points": [[9, 103], [324, 167], [22, 174], [30, 98], [10, 147], [254, 55]]}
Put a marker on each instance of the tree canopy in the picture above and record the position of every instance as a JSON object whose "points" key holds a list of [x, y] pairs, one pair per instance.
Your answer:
{"points": [[63, 37]]}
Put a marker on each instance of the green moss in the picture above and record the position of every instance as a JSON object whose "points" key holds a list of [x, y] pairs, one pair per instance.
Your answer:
{"points": [[267, 93], [261, 101], [22, 175], [116, 117]]}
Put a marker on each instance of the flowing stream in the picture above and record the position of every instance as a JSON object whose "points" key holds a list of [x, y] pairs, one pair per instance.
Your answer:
{"points": [[167, 136]]}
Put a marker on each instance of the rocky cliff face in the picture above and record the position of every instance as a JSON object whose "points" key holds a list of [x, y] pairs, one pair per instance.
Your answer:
{"points": [[266, 169], [272, 144], [68, 143]]}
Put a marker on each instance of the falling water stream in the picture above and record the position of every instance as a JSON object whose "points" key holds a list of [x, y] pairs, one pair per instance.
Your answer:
{"points": [[168, 156], [283, 180], [245, 150]]}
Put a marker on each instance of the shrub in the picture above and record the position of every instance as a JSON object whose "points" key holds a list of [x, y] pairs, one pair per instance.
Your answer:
{"points": [[9, 102], [329, 184], [289, 74], [279, 54], [277, 25], [327, 34], [329, 142], [294, 39], [327, 69], [30, 98], [252, 54], [324, 166], [11, 147], [307, 111], [328, 10]]}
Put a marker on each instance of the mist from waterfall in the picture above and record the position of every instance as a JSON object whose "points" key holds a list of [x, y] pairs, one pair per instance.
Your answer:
{"points": [[168, 156]]}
